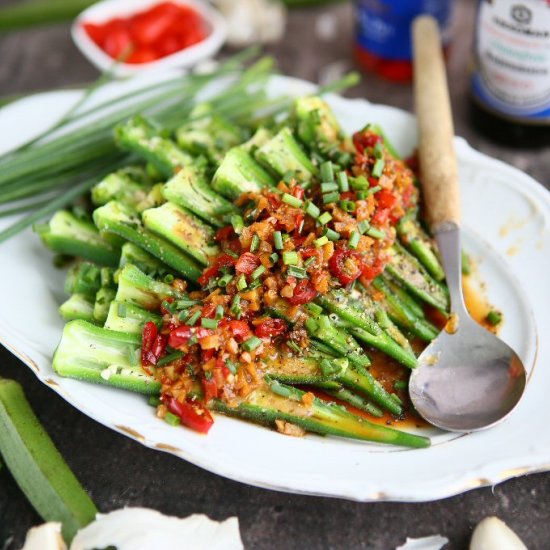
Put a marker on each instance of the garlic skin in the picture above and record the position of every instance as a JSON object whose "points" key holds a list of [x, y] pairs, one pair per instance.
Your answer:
{"points": [[253, 21], [45, 537], [145, 529], [492, 533]]}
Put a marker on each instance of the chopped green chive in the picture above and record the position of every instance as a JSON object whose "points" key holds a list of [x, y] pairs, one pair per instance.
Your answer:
{"points": [[291, 200], [255, 243], [258, 272], [343, 182], [241, 282], [321, 241], [359, 183], [309, 261], [121, 310], [172, 419], [400, 385], [324, 218], [235, 308], [312, 210], [277, 240], [169, 358], [494, 317], [186, 302], [232, 367], [363, 226], [331, 197], [374, 190], [353, 240], [375, 233], [396, 398], [332, 235], [298, 272], [293, 346], [254, 284], [274, 258], [225, 280], [168, 279], [238, 223], [326, 187], [232, 254], [362, 195], [327, 174], [252, 343], [347, 206], [219, 312], [183, 314], [290, 258], [209, 323], [193, 318], [378, 150], [378, 168]]}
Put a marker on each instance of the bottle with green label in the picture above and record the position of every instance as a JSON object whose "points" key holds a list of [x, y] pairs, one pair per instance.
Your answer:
{"points": [[510, 81]]}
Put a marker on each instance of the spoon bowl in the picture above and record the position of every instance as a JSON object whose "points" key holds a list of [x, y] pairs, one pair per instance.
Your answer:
{"points": [[467, 379]]}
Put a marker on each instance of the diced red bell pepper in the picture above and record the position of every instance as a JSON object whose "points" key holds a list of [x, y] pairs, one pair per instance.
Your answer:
{"points": [[385, 199]]}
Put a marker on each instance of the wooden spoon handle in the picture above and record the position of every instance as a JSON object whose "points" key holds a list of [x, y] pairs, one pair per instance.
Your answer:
{"points": [[439, 172]]}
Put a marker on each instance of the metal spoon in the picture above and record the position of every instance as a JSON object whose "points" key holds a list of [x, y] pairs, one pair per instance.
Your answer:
{"points": [[467, 379]]}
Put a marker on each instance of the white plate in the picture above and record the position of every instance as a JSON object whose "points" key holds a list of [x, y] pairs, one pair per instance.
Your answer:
{"points": [[506, 216]]}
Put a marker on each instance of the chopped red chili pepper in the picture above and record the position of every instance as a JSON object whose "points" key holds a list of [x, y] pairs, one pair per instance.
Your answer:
{"points": [[369, 272], [362, 140], [180, 336], [345, 264], [209, 388], [191, 413], [380, 216], [270, 328], [303, 293], [148, 337], [298, 192], [239, 329], [385, 199], [223, 260], [247, 263]]}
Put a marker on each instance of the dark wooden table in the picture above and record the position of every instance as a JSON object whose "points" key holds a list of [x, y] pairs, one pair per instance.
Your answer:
{"points": [[120, 472]]}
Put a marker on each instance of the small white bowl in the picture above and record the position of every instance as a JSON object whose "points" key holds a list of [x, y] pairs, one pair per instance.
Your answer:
{"points": [[109, 9]]}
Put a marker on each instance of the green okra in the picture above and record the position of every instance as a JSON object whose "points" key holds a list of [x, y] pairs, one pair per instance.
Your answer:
{"points": [[239, 173], [183, 230], [188, 189], [124, 222], [129, 318], [412, 275], [95, 354], [78, 306], [279, 402], [139, 136], [38, 467], [282, 154], [139, 289], [68, 234]]}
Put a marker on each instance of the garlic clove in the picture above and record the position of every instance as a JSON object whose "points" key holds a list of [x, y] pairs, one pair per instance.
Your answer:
{"points": [[45, 537], [492, 533]]}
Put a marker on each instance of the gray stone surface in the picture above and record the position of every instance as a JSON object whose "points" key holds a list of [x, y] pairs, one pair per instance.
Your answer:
{"points": [[119, 472]]}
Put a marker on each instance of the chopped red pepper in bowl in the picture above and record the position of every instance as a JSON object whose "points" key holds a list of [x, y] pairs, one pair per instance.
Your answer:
{"points": [[140, 34]]}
